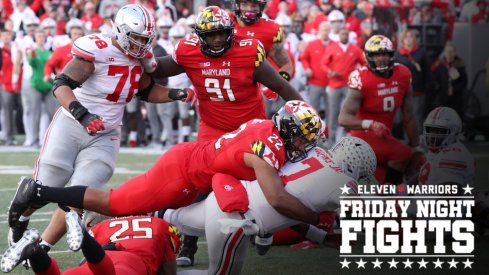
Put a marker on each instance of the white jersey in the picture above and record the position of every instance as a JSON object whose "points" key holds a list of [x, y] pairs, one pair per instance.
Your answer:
{"points": [[452, 164], [113, 83], [315, 181]]}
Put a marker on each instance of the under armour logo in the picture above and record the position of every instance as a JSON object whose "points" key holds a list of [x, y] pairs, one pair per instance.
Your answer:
{"points": [[394, 82], [226, 63], [186, 191], [228, 187], [38, 192], [250, 33]]}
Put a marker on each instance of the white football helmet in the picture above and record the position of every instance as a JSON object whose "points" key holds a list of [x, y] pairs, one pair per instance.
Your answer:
{"points": [[441, 127], [355, 157], [336, 15], [134, 27]]}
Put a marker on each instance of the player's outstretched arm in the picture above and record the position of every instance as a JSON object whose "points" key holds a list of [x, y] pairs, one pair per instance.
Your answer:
{"points": [[149, 91], [274, 192], [351, 106], [266, 75], [409, 120], [166, 67], [278, 54]]}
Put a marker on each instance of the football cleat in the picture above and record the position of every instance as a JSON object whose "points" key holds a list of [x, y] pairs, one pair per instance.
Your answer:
{"points": [[20, 251], [16, 232], [185, 258], [24, 196], [74, 231], [263, 243]]}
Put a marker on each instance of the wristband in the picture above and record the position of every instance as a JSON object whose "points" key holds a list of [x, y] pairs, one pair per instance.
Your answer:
{"points": [[77, 110], [366, 123], [284, 75], [315, 234]]}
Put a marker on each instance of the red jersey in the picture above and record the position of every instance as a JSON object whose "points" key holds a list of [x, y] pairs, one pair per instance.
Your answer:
{"points": [[343, 62], [381, 96], [228, 96], [314, 52], [266, 31], [226, 154], [144, 236]]}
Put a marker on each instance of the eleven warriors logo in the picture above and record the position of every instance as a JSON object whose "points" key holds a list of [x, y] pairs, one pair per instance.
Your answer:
{"points": [[427, 227]]}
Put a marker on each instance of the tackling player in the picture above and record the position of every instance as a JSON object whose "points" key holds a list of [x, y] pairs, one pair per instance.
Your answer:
{"points": [[316, 181], [256, 150], [99, 81], [125, 245], [375, 93]]}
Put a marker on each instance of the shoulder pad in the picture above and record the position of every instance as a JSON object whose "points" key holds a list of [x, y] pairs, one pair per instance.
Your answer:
{"points": [[355, 80], [87, 46]]}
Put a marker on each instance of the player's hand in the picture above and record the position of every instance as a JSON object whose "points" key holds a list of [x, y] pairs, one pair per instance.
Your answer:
{"points": [[304, 245], [271, 95], [191, 97], [379, 129], [326, 221], [92, 123], [148, 62]]}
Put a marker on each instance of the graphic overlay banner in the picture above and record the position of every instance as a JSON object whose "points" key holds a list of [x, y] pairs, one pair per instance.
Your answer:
{"points": [[417, 227]]}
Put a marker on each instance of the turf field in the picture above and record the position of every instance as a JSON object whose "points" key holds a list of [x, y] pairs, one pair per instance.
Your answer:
{"points": [[17, 161]]}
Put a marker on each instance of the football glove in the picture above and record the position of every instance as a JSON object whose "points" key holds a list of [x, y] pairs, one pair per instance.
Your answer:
{"points": [[379, 129], [271, 95], [92, 123], [326, 221], [191, 97]]}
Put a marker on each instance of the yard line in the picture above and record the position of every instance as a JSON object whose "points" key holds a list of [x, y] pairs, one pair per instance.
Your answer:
{"points": [[31, 220], [36, 213]]}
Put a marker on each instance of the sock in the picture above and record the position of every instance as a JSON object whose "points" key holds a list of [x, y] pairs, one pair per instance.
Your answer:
{"points": [[24, 218], [92, 250], [72, 196], [47, 246], [133, 135], [40, 260], [392, 176]]}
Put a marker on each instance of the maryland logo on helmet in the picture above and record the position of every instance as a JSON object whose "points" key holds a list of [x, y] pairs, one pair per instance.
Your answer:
{"points": [[213, 18], [308, 118], [379, 43]]}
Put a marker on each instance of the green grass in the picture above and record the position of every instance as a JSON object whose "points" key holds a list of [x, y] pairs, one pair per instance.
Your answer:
{"points": [[279, 260]]}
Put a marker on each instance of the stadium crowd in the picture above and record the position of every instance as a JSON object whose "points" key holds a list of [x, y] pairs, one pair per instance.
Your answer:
{"points": [[36, 38]]}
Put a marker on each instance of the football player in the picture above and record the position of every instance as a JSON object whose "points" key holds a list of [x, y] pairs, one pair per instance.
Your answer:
{"points": [[225, 72], [447, 160], [256, 150], [375, 93], [79, 139], [124, 245], [316, 181]]}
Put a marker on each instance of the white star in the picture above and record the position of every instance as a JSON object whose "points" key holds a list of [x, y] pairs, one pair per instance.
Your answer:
{"points": [[345, 263], [344, 189], [468, 264], [453, 263], [468, 189], [438, 263], [377, 263], [393, 263], [422, 263], [407, 263], [361, 263]]}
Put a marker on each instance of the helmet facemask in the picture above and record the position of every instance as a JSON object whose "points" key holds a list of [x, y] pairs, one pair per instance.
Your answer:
{"points": [[249, 17], [131, 42], [436, 137], [207, 49], [384, 70], [377, 45]]}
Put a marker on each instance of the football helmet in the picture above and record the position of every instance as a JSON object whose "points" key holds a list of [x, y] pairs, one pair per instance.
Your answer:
{"points": [[176, 239], [375, 45], [213, 19], [355, 157], [134, 28], [249, 17], [441, 127], [300, 126]]}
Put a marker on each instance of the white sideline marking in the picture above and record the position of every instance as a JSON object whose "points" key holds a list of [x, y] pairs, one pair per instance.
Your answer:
{"points": [[45, 213], [27, 170], [31, 220]]}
